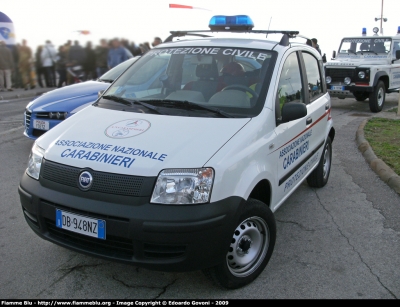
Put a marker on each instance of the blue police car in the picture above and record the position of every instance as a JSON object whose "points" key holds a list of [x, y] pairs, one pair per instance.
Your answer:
{"points": [[51, 108]]}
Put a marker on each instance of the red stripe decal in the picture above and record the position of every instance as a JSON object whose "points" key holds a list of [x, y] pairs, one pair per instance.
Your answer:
{"points": [[317, 121]]}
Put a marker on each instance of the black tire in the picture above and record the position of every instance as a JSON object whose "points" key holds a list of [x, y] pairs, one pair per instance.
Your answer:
{"points": [[377, 97], [319, 176], [361, 96], [250, 248]]}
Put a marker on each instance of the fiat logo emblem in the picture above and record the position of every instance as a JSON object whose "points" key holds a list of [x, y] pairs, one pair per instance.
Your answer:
{"points": [[85, 180]]}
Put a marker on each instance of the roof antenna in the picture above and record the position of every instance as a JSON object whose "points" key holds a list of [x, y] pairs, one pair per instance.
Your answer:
{"points": [[269, 25]]}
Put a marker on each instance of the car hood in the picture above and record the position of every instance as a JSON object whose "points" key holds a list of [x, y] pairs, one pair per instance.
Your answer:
{"points": [[136, 143], [67, 97]]}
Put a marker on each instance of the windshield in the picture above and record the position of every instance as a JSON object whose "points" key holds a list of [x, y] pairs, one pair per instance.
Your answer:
{"points": [[362, 46], [195, 81], [115, 72]]}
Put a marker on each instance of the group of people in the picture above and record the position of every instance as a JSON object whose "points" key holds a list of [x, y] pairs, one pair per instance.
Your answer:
{"points": [[51, 67]]}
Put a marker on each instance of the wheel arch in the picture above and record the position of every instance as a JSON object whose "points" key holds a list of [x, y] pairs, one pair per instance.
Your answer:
{"points": [[382, 76], [262, 192]]}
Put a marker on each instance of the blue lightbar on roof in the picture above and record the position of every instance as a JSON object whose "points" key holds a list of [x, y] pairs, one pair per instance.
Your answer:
{"points": [[229, 23]]}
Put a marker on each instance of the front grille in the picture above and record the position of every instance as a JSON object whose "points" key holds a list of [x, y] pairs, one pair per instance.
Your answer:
{"points": [[43, 114], [27, 119], [163, 251], [338, 74], [109, 183], [113, 246]]}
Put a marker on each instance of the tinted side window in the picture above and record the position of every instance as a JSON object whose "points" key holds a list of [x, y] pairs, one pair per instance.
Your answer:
{"points": [[313, 76], [396, 46], [290, 86]]}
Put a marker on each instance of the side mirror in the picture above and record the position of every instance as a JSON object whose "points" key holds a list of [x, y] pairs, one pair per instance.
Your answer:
{"points": [[99, 93], [292, 111], [333, 54]]}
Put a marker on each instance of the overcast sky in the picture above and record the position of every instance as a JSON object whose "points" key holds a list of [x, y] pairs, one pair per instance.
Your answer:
{"points": [[140, 21]]}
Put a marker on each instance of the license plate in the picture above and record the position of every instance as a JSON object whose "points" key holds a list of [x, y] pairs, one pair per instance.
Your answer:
{"points": [[337, 88], [41, 124], [81, 224]]}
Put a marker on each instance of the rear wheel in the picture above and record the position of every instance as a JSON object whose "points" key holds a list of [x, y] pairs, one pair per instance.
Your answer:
{"points": [[361, 96], [250, 248], [319, 176], [377, 98]]}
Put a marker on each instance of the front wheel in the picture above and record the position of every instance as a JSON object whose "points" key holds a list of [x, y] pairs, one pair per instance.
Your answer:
{"points": [[319, 176], [377, 98], [250, 248]]}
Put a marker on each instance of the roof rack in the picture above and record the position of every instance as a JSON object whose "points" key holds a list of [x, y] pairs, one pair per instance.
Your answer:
{"points": [[284, 40]]}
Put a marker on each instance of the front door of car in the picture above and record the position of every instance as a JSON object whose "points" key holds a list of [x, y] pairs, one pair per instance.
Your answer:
{"points": [[297, 146]]}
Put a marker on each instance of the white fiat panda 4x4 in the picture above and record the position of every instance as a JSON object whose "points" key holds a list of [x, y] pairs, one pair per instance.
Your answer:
{"points": [[185, 173]]}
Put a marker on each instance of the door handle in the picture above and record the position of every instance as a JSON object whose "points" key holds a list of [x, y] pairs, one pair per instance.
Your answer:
{"points": [[327, 106], [308, 121]]}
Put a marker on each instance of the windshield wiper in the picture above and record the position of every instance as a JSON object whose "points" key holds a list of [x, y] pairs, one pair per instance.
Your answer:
{"points": [[130, 102], [348, 51], [118, 99], [191, 106], [106, 80]]}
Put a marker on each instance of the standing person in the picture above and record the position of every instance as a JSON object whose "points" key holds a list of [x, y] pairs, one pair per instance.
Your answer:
{"points": [[76, 54], [314, 42], [48, 57], [117, 54], [61, 66], [6, 67], [125, 44], [40, 75], [89, 64], [101, 58], [15, 75], [67, 46], [143, 48], [135, 49], [25, 66], [156, 41], [76, 59]]}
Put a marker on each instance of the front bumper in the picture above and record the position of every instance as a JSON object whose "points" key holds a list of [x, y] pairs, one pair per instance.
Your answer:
{"points": [[348, 90], [158, 237]]}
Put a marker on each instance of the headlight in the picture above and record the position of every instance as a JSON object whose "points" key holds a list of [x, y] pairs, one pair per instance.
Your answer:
{"points": [[328, 79], [361, 74], [35, 161], [347, 80], [183, 186]]}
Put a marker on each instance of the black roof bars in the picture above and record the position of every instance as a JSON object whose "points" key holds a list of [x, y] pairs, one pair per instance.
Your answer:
{"points": [[184, 33], [284, 41]]}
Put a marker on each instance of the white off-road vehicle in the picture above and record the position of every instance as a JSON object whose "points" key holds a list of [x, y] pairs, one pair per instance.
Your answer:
{"points": [[365, 67]]}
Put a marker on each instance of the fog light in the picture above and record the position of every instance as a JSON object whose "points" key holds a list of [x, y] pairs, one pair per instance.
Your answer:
{"points": [[328, 79], [347, 80], [361, 74]]}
